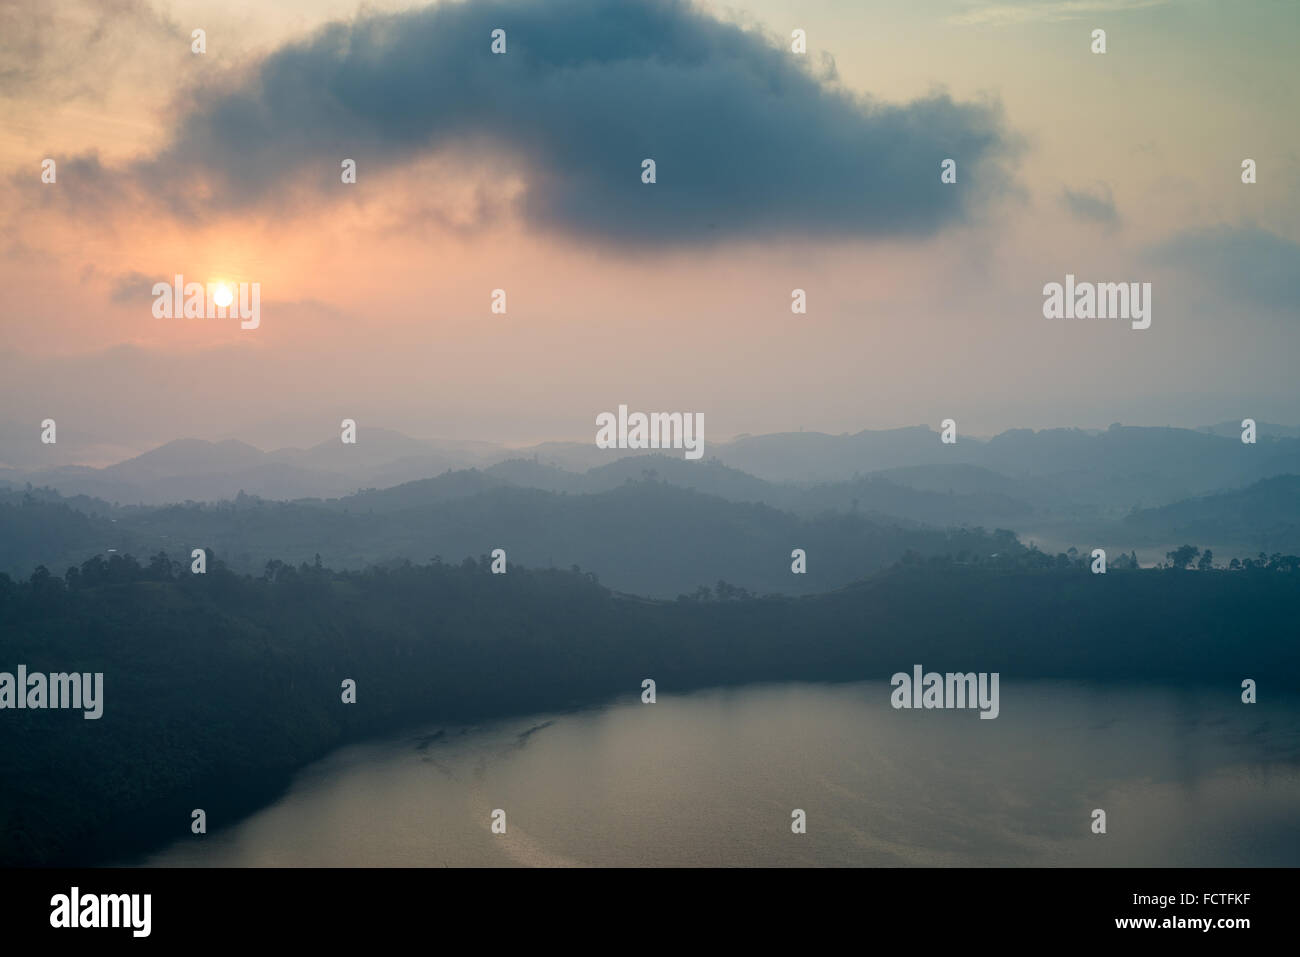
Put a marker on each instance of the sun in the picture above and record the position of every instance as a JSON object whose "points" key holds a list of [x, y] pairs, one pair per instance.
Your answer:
{"points": [[222, 296]]}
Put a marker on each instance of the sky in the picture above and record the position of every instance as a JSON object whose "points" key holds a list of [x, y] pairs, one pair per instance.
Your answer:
{"points": [[522, 171]]}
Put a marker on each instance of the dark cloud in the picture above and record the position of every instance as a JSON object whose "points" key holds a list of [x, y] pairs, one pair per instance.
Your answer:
{"points": [[1243, 265], [747, 138], [134, 287], [1091, 205]]}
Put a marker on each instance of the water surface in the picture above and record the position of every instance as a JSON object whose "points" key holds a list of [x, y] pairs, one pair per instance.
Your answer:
{"points": [[1187, 778]]}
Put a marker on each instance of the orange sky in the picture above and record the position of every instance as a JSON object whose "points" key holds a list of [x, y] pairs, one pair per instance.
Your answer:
{"points": [[375, 297]]}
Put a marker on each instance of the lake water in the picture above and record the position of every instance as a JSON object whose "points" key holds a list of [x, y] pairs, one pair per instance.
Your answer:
{"points": [[1191, 778]]}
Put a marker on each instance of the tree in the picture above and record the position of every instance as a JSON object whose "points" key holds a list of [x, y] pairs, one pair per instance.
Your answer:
{"points": [[160, 567], [1206, 562], [1182, 556]]}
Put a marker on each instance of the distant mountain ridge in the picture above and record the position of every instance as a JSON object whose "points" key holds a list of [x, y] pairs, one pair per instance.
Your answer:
{"points": [[645, 537], [1117, 469], [1265, 515]]}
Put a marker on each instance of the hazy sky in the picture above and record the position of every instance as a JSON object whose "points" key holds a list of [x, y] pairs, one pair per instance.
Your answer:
{"points": [[522, 172]]}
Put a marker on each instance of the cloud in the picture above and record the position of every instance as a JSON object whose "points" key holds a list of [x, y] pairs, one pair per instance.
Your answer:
{"points": [[1093, 206], [748, 139], [1243, 265], [132, 287], [1040, 11], [41, 41]]}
